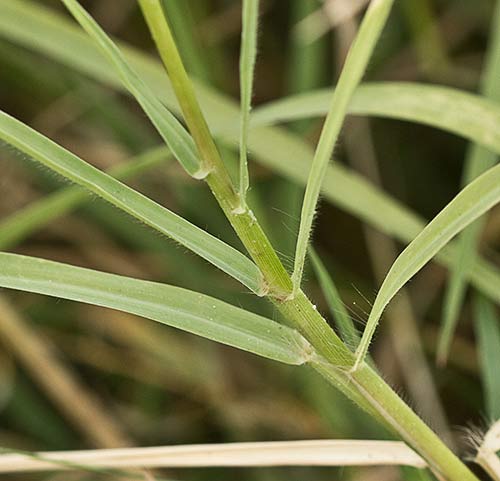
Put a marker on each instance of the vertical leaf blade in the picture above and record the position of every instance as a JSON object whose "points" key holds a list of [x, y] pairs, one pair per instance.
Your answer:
{"points": [[487, 327], [354, 68], [477, 161], [248, 54]]}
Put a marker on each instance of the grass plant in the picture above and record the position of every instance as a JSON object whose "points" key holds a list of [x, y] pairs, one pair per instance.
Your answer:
{"points": [[200, 127]]}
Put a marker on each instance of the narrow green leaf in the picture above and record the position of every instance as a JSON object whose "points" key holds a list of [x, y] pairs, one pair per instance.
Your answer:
{"points": [[478, 160], [306, 65], [193, 48], [172, 132], [468, 115], [156, 19], [487, 327], [152, 214], [23, 222], [49, 33], [428, 45], [473, 201], [337, 308], [354, 68], [187, 310], [248, 54]]}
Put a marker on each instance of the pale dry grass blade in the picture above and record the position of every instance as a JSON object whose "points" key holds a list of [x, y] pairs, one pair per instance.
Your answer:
{"points": [[60, 384], [287, 453]]}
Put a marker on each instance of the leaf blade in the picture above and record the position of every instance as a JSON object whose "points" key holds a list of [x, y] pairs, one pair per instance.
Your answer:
{"points": [[275, 453], [23, 222], [478, 160], [142, 208], [187, 310], [486, 325], [170, 129], [337, 308], [468, 205], [248, 55], [354, 68], [465, 114]]}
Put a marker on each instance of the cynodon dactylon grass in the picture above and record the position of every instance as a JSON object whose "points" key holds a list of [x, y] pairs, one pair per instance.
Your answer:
{"points": [[259, 300]]}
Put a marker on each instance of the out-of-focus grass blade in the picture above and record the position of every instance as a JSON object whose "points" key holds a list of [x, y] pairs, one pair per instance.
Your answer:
{"points": [[468, 115], [45, 31], [173, 133], [337, 308], [152, 214], [354, 68], [184, 26], [467, 206], [306, 64], [478, 160], [414, 474], [248, 54], [487, 326], [180, 308], [23, 222], [427, 42]]}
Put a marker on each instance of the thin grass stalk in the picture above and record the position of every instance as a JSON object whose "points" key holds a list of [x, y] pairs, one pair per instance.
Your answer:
{"points": [[487, 329], [276, 280], [338, 310], [334, 357], [427, 40]]}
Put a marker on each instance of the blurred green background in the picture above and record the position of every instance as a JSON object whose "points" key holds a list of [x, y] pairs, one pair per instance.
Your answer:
{"points": [[144, 384]]}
